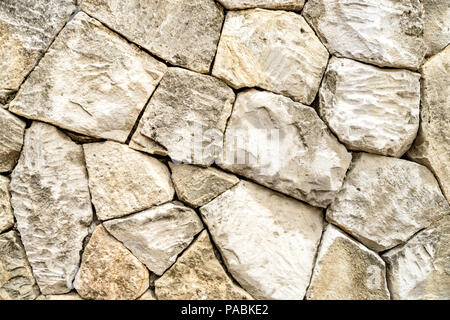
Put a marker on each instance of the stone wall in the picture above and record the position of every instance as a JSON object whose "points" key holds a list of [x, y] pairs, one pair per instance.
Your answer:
{"points": [[230, 149]]}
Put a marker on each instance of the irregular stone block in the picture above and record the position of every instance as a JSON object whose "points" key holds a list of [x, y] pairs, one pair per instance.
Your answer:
{"points": [[387, 33], [109, 271], [52, 206], [90, 81], [6, 214], [384, 201], [183, 32], [436, 25], [371, 109], [11, 140], [157, 235], [285, 146], [269, 4], [268, 241], [272, 50], [124, 181]]}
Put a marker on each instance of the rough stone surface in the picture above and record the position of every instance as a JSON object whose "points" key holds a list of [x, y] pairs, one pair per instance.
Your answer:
{"points": [[6, 214], [109, 271], [124, 181], [371, 109], [346, 270], [148, 295], [60, 297], [269, 4], [142, 143], [90, 81], [185, 107], [273, 50], [157, 235], [11, 140], [197, 186], [267, 241], [293, 153], [183, 32], [385, 33], [420, 269], [50, 198], [16, 278], [436, 20], [198, 275], [384, 201], [26, 30], [432, 146]]}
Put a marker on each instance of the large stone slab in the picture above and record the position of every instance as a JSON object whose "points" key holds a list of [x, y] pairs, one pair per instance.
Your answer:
{"points": [[387, 33], [188, 110], [269, 4], [124, 181], [157, 235], [109, 271], [6, 214], [285, 146], [267, 241], [346, 270], [90, 81], [52, 206], [272, 50], [371, 109], [16, 277], [432, 146], [198, 275], [182, 32], [11, 140], [436, 23], [384, 201], [27, 28], [420, 269]]}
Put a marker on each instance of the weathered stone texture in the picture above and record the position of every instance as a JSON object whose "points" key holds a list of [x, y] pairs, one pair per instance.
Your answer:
{"points": [[6, 214], [11, 140], [60, 297], [269, 4], [436, 23]]}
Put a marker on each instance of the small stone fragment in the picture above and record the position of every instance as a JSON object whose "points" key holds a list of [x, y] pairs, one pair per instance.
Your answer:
{"points": [[432, 146], [186, 113], [387, 33], [346, 270], [420, 269], [109, 271], [183, 32], [90, 81], [124, 181], [197, 186], [436, 29], [11, 139], [285, 146], [384, 201], [60, 297], [142, 143], [272, 50], [52, 206], [157, 235], [268, 241], [16, 277], [6, 214], [269, 4], [371, 109]]}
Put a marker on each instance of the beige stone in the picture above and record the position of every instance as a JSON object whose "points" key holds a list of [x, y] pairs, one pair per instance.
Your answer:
{"points": [[124, 181], [90, 81], [60, 297], [197, 186], [346, 270], [436, 20], [384, 201], [6, 214], [272, 50], [182, 32], [148, 295], [269, 4], [11, 140], [109, 271], [198, 275]]}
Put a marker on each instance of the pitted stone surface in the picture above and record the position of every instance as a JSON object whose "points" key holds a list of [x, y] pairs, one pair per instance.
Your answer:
{"points": [[269, 4], [6, 214], [436, 25], [11, 139]]}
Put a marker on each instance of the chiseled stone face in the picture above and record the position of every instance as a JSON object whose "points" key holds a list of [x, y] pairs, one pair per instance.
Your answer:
{"points": [[432, 146], [269, 4], [384, 201], [52, 206], [124, 181], [182, 32], [387, 33], [267, 241], [285, 146], [11, 140], [27, 27], [198, 275], [6, 214], [420, 269], [90, 81], [436, 25], [272, 50], [371, 109], [109, 271], [346, 270]]}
